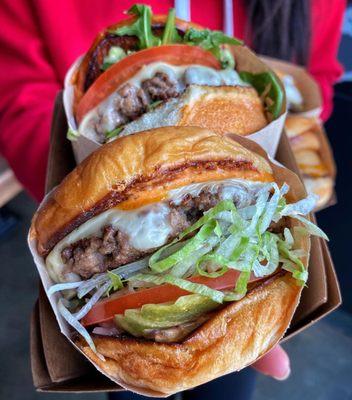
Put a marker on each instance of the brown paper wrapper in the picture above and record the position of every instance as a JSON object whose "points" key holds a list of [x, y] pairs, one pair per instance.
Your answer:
{"points": [[58, 367], [281, 174]]}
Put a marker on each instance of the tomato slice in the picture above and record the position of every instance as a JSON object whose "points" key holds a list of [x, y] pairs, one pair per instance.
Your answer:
{"points": [[105, 310], [116, 75]]}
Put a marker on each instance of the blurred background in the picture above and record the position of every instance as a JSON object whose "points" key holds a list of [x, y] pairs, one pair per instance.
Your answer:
{"points": [[321, 357]]}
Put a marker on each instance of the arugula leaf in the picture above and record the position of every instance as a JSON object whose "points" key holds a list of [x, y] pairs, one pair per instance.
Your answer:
{"points": [[208, 39], [115, 132], [170, 34], [213, 41], [268, 86], [142, 27]]}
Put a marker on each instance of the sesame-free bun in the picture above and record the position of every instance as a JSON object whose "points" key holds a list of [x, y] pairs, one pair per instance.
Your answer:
{"points": [[234, 338], [139, 169], [223, 109]]}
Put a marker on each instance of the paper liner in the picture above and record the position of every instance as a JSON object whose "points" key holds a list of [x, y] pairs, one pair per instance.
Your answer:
{"points": [[246, 60], [281, 174], [305, 83]]}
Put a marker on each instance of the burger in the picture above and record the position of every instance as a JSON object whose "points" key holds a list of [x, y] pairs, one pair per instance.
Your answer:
{"points": [[181, 264], [308, 149], [149, 71]]}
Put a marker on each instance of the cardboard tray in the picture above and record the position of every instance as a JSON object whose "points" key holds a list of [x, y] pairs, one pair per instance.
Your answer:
{"points": [[58, 367]]}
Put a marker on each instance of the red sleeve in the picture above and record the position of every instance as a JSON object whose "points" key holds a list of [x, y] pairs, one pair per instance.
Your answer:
{"points": [[28, 88], [327, 19]]}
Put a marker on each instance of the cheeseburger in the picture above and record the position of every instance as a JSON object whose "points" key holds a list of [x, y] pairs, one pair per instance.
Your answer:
{"points": [[149, 71], [179, 265]]}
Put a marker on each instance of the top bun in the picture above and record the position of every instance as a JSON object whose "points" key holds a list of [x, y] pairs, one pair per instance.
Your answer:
{"points": [[139, 169]]}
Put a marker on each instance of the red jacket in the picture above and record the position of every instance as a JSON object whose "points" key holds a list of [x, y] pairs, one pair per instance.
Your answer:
{"points": [[40, 39]]}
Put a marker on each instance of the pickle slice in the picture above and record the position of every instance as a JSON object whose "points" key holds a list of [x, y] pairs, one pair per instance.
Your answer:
{"points": [[166, 315]]}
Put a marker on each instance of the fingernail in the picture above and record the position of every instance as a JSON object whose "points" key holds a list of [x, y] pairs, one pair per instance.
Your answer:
{"points": [[284, 376]]}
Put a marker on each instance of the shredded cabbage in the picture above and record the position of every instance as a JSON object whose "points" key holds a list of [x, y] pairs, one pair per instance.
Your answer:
{"points": [[191, 287]]}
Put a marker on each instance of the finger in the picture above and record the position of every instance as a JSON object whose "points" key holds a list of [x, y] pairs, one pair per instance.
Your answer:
{"points": [[276, 364]]}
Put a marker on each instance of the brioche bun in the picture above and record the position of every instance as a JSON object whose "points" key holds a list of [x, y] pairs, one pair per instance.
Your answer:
{"points": [[222, 109], [235, 337]]}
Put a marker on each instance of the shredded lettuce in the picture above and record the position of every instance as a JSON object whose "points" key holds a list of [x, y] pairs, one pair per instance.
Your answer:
{"points": [[142, 27], [72, 134], [224, 237], [114, 133], [170, 34], [215, 295]]}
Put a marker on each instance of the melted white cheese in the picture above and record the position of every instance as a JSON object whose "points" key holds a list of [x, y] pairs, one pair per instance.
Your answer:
{"points": [[293, 95], [147, 227], [104, 117]]}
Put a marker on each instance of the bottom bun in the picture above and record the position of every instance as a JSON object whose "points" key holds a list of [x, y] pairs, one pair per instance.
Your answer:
{"points": [[234, 338]]}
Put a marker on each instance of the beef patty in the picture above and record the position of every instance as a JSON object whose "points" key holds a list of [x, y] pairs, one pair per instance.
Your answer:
{"points": [[112, 249]]}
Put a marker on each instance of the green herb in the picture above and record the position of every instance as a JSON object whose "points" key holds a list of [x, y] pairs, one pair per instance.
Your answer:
{"points": [[115, 54], [268, 86], [115, 132], [170, 34], [154, 104], [72, 135], [142, 27], [213, 41]]}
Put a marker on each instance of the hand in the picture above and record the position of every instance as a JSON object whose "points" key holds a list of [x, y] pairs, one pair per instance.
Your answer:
{"points": [[276, 364]]}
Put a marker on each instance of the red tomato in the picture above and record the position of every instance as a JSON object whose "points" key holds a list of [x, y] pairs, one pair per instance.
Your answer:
{"points": [[116, 75], [105, 310]]}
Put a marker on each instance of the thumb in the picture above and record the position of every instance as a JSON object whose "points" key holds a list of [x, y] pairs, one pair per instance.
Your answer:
{"points": [[276, 364]]}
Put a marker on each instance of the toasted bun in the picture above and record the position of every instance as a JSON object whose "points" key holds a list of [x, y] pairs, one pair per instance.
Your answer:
{"points": [[223, 109], [306, 141], [297, 125], [233, 339], [322, 187], [140, 169], [310, 163], [89, 69], [226, 109]]}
